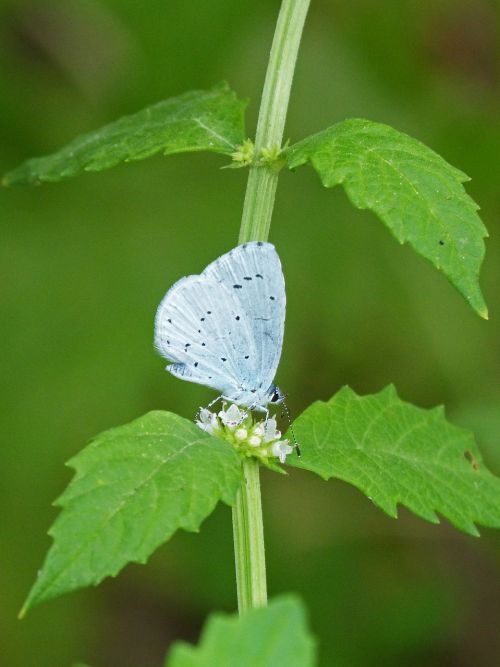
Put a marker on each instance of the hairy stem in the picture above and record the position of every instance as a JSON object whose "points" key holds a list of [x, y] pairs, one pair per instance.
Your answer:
{"points": [[248, 528]]}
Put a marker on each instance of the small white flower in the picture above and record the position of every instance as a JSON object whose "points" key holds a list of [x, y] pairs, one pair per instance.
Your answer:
{"points": [[235, 426], [270, 430], [232, 417], [207, 420], [254, 441], [281, 449]]}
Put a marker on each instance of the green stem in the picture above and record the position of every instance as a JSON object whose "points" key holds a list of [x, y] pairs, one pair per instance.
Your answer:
{"points": [[262, 181], [248, 531], [248, 527]]}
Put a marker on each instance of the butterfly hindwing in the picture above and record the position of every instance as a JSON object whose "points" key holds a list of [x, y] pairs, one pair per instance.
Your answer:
{"points": [[200, 326]]}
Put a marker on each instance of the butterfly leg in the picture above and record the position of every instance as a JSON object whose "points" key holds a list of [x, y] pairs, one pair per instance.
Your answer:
{"points": [[214, 401], [244, 416], [261, 408], [208, 406], [266, 411]]}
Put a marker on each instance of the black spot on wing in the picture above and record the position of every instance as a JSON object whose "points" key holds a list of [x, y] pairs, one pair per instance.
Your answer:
{"points": [[258, 275], [237, 286]]}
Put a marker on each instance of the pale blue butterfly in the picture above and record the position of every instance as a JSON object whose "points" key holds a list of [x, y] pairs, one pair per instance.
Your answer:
{"points": [[224, 328]]}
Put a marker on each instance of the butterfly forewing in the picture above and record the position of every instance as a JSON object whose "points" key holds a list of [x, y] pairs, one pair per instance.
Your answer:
{"points": [[253, 272]]}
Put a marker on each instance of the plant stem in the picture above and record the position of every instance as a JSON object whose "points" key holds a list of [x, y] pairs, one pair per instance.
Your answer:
{"points": [[248, 534], [262, 181], [248, 527]]}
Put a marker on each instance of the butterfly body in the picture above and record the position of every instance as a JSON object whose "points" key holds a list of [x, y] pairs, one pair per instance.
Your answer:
{"points": [[224, 328], [256, 398]]}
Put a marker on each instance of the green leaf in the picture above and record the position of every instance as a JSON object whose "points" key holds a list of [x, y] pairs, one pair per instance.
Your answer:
{"points": [[267, 637], [135, 485], [416, 193], [397, 453], [196, 121]]}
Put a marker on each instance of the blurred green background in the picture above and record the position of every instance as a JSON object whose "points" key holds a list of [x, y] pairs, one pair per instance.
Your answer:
{"points": [[85, 263]]}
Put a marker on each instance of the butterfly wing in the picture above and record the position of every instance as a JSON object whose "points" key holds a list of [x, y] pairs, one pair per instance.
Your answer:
{"points": [[200, 325], [253, 273]]}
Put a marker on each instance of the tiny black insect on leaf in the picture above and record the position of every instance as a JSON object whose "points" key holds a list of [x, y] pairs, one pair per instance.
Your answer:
{"points": [[470, 458]]}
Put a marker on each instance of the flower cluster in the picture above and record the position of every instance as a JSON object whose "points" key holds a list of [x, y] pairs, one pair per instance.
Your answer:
{"points": [[259, 439]]}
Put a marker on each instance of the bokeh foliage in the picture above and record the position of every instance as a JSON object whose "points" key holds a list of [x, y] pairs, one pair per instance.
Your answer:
{"points": [[86, 262]]}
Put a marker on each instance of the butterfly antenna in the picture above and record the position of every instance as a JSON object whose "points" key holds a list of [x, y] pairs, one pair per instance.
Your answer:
{"points": [[295, 443]]}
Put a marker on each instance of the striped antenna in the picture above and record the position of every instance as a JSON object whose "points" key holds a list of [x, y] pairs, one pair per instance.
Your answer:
{"points": [[295, 443]]}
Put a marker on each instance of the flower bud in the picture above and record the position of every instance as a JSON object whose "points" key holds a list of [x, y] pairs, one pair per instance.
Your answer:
{"points": [[254, 441]]}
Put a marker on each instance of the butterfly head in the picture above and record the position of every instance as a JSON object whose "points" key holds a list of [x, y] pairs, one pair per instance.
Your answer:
{"points": [[275, 395]]}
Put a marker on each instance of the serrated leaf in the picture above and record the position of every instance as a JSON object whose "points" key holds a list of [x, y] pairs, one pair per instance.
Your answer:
{"points": [[199, 120], [134, 486], [267, 637], [395, 452], [417, 194]]}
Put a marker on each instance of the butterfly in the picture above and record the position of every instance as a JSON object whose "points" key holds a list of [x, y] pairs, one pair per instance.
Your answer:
{"points": [[224, 328]]}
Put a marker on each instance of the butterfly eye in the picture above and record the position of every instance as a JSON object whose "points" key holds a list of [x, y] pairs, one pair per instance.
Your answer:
{"points": [[275, 397]]}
